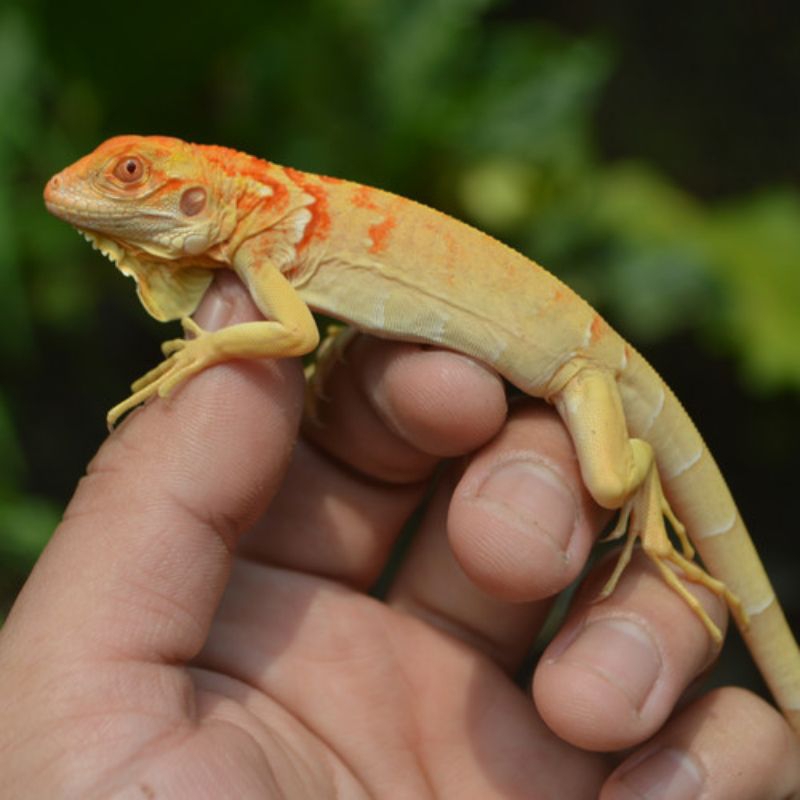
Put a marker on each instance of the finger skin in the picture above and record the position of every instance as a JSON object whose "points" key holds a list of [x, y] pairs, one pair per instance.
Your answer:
{"points": [[729, 745], [614, 673]]}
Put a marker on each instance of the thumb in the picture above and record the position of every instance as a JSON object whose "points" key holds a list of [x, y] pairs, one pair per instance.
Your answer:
{"points": [[138, 565]]}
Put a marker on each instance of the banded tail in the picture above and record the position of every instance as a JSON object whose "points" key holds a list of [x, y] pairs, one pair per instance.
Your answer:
{"points": [[697, 491]]}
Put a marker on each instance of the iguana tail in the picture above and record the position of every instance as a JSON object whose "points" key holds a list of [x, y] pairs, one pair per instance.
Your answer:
{"points": [[700, 497]]}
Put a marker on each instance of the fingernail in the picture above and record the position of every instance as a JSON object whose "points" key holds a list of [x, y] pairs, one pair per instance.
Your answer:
{"points": [[533, 497], [621, 652], [666, 774]]}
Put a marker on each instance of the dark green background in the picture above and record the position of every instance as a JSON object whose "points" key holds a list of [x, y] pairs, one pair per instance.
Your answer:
{"points": [[647, 153]]}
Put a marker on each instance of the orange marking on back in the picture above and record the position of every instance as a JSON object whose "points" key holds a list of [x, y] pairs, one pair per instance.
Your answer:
{"points": [[363, 198], [248, 170], [379, 233], [320, 224], [247, 201], [234, 163], [296, 176], [598, 327], [249, 198]]}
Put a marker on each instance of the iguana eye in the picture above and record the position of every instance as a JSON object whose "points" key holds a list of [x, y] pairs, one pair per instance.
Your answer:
{"points": [[129, 169]]}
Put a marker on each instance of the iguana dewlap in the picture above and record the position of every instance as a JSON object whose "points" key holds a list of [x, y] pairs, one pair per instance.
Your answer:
{"points": [[169, 213]]}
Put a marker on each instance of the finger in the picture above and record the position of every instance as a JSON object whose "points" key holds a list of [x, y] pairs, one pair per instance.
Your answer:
{"points": [[616, 670], [521, 521], [729, 745], [138, 564], [392, 411], [520, 527], [330, 521]]}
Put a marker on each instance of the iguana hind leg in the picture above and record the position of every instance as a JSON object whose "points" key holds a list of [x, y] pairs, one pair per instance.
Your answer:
{"points": [[620, 473], [331, 351]]}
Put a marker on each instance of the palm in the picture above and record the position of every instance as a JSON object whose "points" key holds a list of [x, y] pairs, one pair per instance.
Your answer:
{"points": [[346, 695]]}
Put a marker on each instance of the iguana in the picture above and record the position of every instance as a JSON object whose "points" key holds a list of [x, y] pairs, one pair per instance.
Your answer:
{"points": [[169, 213]]}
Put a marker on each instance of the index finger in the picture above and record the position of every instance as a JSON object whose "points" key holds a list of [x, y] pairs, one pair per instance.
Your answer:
{"points": [[138, 565]]}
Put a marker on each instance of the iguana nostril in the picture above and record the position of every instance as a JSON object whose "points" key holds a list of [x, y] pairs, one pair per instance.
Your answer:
{"points": [[53, 185], [52, 192]]}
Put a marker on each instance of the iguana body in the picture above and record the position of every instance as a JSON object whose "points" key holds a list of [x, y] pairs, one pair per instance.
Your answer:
{"points": [[169, 213]]}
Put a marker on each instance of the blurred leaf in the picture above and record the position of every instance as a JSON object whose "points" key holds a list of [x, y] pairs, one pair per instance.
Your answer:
{"points": [[657, 291], [26, 521], [756, 247], [17, 72], [641, 205], [416, 45], [18, 66], [654, 273], [530, 95], [497, 193]]}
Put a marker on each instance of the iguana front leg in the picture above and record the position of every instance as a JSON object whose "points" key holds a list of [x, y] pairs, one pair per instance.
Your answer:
{"points": [[290, 331], [620, 473]]}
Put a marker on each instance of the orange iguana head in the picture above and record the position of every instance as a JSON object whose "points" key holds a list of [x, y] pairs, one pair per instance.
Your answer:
{"points": [[146, 202]]}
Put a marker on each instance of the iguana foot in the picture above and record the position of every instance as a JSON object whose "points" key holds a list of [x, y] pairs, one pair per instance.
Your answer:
{"points": [[184, 357], [643, 517]]}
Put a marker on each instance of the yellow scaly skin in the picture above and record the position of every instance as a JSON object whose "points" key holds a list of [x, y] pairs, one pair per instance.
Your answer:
{"points": [[168, 213]]}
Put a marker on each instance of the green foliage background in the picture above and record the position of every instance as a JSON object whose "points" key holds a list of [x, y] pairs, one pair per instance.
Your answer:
{"points": [[646, 156]]}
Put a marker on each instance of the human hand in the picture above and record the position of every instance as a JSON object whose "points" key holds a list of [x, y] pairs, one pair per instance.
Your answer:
{"points": [[181, 639]]}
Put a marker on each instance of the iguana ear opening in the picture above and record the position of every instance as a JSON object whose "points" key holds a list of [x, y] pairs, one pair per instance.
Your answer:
{"points": [[167, 293]]}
